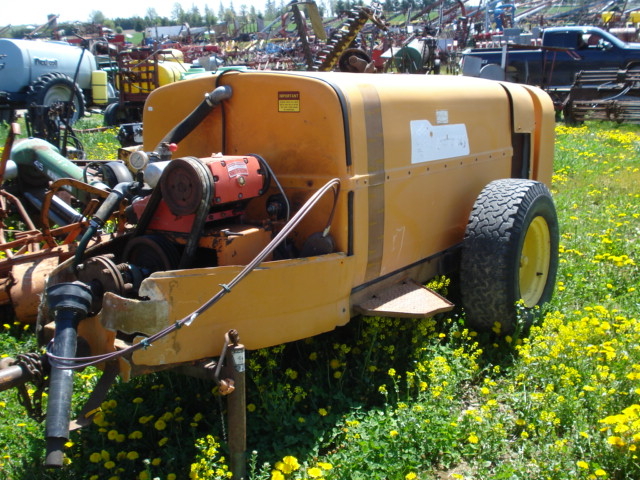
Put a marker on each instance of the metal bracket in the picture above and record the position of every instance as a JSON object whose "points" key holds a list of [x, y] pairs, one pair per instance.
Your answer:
{"points": [[97, 396], [225, 385]]}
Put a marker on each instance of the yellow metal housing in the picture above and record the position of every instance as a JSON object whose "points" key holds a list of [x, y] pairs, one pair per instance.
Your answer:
{"points": [[412, 153]]}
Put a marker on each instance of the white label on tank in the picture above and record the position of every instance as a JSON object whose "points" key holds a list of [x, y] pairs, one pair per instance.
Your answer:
{"points": [[437, 142]]}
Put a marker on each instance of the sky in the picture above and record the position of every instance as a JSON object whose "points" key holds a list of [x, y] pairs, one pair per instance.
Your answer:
{"points": [[36, 11]]}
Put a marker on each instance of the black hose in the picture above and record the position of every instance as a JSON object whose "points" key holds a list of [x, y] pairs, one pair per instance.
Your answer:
{"points": [[99, 219], [191, 121], [70, 303]]}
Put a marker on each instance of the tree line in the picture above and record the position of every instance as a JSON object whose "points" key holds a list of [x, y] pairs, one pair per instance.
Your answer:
{"points": [[207, 18]]}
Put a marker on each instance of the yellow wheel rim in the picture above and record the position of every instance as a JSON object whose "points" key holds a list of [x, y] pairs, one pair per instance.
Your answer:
{"points": [[534, 262]]}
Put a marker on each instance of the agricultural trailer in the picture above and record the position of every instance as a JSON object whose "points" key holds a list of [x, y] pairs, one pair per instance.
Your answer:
{"points": [[35, 72], [137, 72], [274, 206]]}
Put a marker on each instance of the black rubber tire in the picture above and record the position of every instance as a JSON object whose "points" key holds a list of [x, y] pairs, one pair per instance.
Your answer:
{"points": [[115, 114], [57, 87], [495, 273], [153, 253]]}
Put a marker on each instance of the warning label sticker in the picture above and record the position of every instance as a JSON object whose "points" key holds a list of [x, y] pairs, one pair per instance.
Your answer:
{"points": [[236, 169], [289, 102]]}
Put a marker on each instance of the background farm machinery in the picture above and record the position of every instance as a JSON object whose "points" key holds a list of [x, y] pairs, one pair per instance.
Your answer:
{"points": [[46, 200], [604, 94], [50, 208], [136, 73]]}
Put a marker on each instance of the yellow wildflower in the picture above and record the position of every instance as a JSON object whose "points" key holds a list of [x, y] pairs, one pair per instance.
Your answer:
{"points": [[277, 475], [133, 455], [314, 472], [288, 464]]}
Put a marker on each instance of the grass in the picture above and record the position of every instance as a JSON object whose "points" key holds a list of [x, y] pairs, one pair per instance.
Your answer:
{"points": [[404, 399]]}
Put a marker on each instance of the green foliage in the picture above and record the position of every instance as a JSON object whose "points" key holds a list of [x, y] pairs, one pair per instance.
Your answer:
{"points": [[409, 399]]}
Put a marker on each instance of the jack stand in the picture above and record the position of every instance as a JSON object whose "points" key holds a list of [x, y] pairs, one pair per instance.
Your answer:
{"points": [[237, 409], [233, 386]]}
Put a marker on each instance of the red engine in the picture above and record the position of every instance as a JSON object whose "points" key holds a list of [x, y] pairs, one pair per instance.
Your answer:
{"points": [[217, 186]]}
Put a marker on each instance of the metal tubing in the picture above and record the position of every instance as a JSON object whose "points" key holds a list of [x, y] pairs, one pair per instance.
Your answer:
{"points": [[24, 216], [237, 413], [59, 213], [52, 165], [70, 303], [13, 376]]}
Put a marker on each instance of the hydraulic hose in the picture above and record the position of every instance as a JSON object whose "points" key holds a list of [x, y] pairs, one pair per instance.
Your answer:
{"points": [[191, 121], [99, 219], [70, 303]]}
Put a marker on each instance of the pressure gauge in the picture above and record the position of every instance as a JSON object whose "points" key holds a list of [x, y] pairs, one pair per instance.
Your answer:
{"points": [[138, 160]]}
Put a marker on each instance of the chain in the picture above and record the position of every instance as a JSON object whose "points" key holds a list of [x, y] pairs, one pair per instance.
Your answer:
{"points": [[222, 419], [33, 404]]}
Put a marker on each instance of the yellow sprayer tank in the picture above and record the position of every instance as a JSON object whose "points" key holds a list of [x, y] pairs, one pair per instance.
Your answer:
{"points": [[169, 71], [171, 55], [418, 160], [100, 87]]}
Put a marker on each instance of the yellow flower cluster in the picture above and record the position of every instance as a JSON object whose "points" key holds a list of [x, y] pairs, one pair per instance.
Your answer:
{"points": [[289, 468], [624, 428], [209, 465]]}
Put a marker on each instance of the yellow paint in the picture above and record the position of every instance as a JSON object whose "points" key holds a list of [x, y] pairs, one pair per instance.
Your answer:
{"points": [[396, 207]]}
